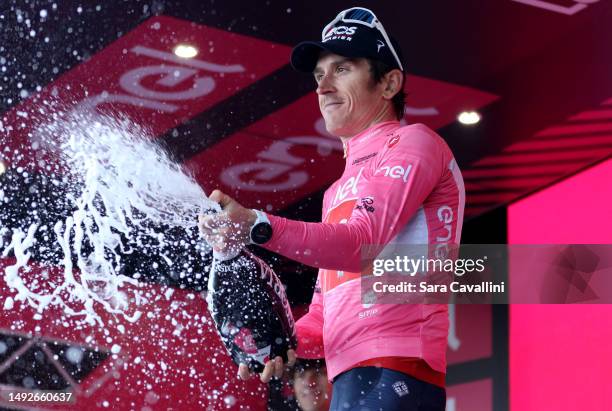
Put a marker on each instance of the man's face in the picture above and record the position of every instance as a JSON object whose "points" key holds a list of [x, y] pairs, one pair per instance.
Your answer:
{"points": [[349, 99]]}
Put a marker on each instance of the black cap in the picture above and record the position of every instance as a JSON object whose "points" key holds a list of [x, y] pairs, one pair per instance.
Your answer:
{"points": [[349, 40]]}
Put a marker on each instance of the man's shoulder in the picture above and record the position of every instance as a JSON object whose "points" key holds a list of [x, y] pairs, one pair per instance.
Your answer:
{"points": [[419, 132]]}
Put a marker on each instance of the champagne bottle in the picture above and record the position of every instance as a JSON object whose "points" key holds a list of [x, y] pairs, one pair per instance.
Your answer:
{"points": [[250, 309]]}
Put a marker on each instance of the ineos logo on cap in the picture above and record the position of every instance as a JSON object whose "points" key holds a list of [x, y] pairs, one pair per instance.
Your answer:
{"points": [[340, 33]]}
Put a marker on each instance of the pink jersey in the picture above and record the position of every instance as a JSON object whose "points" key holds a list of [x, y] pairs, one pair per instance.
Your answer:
{"points": [[400, 185]]}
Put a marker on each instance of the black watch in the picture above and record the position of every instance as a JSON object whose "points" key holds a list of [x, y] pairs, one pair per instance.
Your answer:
{"points": [[261, 230]]}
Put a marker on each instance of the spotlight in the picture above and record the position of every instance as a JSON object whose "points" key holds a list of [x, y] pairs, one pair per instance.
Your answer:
{"points": [[185, 51], [468, 118]]}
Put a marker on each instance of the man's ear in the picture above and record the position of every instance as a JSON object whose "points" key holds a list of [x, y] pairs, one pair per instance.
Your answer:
{"points": [[393, 82]]}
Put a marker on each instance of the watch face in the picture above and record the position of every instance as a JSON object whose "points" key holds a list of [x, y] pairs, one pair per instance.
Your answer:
{"points": [[261, 233]]}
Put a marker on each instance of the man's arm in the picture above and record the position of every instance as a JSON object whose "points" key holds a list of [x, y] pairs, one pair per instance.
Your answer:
{"points": [[337, 246], [394, 200]]}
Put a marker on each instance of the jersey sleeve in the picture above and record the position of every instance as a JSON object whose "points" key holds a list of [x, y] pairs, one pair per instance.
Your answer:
{"points": [[393, 189], [310, 328]]}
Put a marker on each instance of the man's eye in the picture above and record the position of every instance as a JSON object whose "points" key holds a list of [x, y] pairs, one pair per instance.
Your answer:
{"points": [[340, 69]]}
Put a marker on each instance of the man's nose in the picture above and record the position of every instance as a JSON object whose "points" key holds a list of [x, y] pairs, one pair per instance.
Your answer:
{"points": [[325, 85]]}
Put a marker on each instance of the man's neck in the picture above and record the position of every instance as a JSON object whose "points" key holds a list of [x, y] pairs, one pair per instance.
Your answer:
{"points": [[383, 116], [382, 119]]}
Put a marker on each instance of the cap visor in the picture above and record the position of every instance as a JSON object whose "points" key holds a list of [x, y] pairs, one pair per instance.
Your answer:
{"points": [[305, 55]]}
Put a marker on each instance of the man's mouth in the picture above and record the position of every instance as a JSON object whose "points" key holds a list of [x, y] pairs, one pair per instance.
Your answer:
{"points": [[331, 105]]}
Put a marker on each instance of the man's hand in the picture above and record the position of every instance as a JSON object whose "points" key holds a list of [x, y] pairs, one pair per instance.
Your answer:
{"points": [[273, 368], [228, 231]]}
